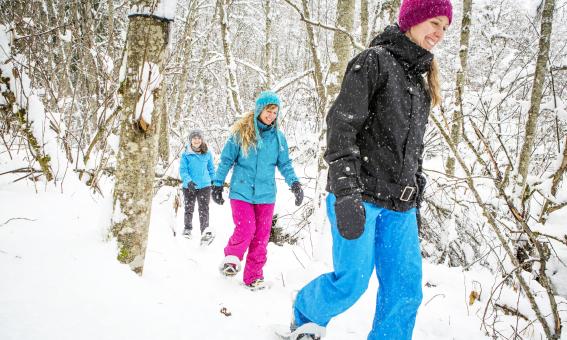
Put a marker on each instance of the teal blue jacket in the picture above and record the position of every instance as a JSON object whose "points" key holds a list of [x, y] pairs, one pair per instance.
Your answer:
{"points": [[253, 177], [197, 168]]}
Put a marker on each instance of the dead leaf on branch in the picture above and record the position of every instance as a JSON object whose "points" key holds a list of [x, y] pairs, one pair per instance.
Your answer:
{"points": [[473, 296]]}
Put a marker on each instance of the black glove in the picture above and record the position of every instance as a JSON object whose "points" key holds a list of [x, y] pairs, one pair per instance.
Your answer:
{"points": [[298, 192], [351, 216], [217, 194], [191, 187], [421, 182]]}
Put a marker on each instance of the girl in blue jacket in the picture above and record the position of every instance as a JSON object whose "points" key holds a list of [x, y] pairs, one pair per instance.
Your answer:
{"points": [[196, 170], [254, 150]]}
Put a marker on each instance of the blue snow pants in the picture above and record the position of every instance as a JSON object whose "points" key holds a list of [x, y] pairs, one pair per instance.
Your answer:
{"points": [[389, 242]]}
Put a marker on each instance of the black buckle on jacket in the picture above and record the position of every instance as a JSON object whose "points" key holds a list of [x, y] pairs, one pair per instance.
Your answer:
{"points": [[405, 196]]}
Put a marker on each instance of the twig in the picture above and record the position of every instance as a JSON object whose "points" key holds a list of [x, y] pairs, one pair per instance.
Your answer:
{"points": [[433, 297], [16, 218], [297, 258]]}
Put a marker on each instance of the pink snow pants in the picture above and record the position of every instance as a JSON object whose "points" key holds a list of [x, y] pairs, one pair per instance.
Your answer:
{"points": [[253, 224]]}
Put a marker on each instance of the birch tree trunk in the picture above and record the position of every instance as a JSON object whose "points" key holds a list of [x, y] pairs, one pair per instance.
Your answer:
{"points": [[537, 90], [232, 83], [137, 155], [457, 119], [342, 46]]}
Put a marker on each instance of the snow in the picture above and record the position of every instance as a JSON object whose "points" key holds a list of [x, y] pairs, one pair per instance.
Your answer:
{"points": [[530, 6], [150, 79], [67, 37], [164, 9], [61, 279]]}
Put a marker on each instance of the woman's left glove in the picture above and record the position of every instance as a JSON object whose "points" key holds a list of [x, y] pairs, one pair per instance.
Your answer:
{"points": [[217, 194], [298, 192]]}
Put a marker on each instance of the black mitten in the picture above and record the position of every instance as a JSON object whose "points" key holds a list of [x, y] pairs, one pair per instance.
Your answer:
{"points": [[191, 187], [421, 183], [351, 216], [217, 194], [298, 192]]}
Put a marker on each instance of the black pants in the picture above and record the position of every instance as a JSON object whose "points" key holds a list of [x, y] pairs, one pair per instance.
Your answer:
{"points": [[203, 196]]}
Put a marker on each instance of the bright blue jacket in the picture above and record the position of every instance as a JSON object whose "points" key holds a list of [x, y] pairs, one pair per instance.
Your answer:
{"points": [[197, 168], [253, 177]]}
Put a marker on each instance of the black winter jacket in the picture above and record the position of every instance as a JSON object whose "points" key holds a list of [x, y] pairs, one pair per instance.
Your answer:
{"points": [[377, 122]]}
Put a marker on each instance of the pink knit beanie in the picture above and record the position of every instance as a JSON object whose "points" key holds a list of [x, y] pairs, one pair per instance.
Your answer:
{"points": [[413, 12]]}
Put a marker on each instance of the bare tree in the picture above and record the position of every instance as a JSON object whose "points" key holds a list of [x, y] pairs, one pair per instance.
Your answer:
{"points": [[457, 117], [232, 82], [537, 89]]}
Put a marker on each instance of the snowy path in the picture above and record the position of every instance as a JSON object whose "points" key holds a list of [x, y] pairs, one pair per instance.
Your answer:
{"points": [[59, 280]]}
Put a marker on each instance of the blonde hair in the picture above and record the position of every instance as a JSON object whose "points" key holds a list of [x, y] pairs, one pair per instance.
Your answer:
{"points": [[434, 84], [245, 132]]}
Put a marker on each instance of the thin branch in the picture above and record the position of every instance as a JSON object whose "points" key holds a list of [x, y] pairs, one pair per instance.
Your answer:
{"points": [[16, 218], [355, 43]]}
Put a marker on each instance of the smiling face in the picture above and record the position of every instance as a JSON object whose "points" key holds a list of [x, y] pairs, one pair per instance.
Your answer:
{"points": [[269, 114], [196, 142], [429, 33]]}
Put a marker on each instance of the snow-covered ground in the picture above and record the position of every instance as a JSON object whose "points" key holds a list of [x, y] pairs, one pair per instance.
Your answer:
{"points": [[59, 278]]}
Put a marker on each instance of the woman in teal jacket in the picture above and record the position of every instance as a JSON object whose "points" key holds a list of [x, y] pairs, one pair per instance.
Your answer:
{"points": [[254, 150], [196, 170]]}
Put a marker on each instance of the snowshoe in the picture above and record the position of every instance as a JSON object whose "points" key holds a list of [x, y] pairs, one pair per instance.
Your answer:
{"points": [[258, 284], [308, 331], [187, 233], [207, 238], [229, 269], [230, 265]]}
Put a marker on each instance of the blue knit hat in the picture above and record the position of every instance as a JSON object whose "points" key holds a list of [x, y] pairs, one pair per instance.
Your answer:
{"points": [[264, 99]]}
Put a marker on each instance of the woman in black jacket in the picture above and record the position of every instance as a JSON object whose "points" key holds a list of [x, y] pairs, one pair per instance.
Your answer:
{"points": [[374, 151]]}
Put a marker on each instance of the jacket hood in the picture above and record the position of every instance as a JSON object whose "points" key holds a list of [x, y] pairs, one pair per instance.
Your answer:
{"points": [[410, 55]]}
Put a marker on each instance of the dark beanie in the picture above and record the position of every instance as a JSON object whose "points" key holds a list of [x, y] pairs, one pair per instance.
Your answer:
{"points": [[195, 133], [413, 12]]}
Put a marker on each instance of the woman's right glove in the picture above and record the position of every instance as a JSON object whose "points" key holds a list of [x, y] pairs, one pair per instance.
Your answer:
{"points": [[217, 194], [351, 215], [192, 187], [298, 192]]}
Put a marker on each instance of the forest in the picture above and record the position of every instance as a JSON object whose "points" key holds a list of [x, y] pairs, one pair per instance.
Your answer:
{"points": [[102, 95]]}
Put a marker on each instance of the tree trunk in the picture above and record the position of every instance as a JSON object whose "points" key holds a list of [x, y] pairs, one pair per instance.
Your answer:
{"points": [[394, 8], [537, 90], [364, 22], [342, 47], [318, 70], [457, 119], [232, 83], [268, 83], [137, 154], [185, 45], [163, 140]]}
